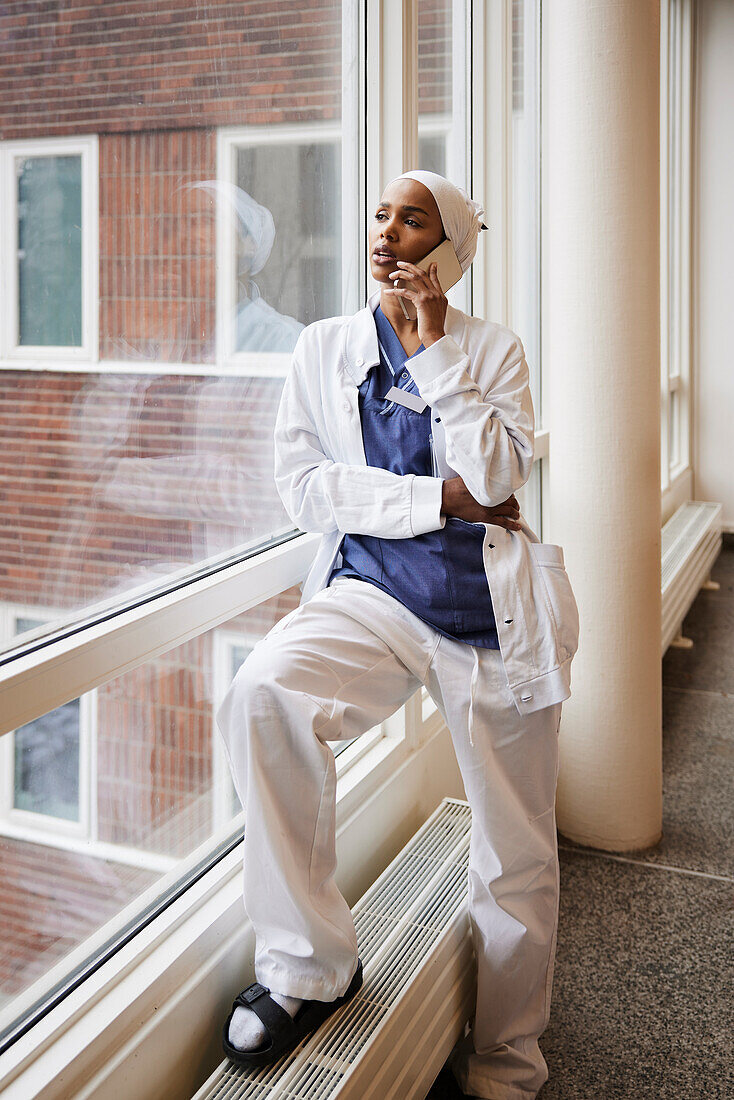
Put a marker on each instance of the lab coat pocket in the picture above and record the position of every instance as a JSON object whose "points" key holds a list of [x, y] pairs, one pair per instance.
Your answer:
{"points": [[552, 574]]}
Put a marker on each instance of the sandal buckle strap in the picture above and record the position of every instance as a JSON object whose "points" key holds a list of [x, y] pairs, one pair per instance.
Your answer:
{"points": [[247, 996]]}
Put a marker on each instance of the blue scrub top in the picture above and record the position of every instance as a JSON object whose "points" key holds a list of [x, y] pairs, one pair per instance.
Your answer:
{"points": [[439, 575]]}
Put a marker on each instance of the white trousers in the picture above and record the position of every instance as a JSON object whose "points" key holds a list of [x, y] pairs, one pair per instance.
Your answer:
{"points": [[333, 668]]}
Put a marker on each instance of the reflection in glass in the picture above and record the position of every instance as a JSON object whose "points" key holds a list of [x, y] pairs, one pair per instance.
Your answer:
{"points": [[435, 93], [159, 797], [259, 327], [444, 77], [121, 476], [303, 275]]}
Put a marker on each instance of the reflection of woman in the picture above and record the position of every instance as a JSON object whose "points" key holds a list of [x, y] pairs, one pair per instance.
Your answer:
{"points": [[425, 575], [257, 326]]}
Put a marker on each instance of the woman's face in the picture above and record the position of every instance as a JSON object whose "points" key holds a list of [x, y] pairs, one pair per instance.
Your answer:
{"points": [[406, 226]]}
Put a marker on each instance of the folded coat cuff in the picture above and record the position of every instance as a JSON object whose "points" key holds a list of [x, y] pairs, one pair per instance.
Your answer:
{"points": [[428, 365], [425, 504]]}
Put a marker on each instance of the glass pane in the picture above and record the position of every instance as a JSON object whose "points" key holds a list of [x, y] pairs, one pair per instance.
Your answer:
{"points": [[49, 250], [158, 799], [47, 764], [46, 757], [435, 101], [161, 461], [444, 75], [301, 278], [443, 72], [673, 430], [525, 301]]}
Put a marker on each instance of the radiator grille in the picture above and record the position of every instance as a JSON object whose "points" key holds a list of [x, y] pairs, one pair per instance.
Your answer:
{"points": [[683, 532], [691, 541], [398, 921]]}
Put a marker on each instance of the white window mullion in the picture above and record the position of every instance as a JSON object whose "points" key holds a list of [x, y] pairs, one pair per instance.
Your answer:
{"points": [[492, 160], [684, 410], [35, 682], [676, 59]]}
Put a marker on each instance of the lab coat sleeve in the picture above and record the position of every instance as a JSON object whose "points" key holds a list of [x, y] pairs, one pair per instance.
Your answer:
{"points": [[320, 494], [489, 427]]}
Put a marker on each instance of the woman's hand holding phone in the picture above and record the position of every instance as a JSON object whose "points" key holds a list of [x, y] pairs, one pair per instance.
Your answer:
{"points": [[457, 502], [424, 291]]}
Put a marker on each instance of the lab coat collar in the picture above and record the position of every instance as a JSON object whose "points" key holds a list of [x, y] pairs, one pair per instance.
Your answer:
{"points": [[360, 344]]}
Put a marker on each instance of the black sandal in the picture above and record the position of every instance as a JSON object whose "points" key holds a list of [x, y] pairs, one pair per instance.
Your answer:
{"points": [[284, 1032]]}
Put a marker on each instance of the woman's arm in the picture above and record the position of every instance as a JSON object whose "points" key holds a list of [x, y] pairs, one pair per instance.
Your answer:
{"points": [[488, 423], [489, 434], [322, 495]]}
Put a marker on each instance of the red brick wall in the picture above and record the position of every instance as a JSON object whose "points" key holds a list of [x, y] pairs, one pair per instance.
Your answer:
{"points": [[156, 246], [50, 902], [435, 60], [109, 480], [69, 67]]}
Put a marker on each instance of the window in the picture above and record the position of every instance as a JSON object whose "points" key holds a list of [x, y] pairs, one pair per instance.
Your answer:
{"points": [[524, 291], [46, 765], [676, 39], [49, 249], [281, 264], [444, 78], [144, 510]]}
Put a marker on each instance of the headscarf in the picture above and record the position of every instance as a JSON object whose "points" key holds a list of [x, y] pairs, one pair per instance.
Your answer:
{"points": [[461, 216], [256, 228]]}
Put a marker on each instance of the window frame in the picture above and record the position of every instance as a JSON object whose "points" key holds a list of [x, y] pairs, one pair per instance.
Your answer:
{"points": [[676, 152], [55, 832], [30, 357], [33, 825], [388, 787]]}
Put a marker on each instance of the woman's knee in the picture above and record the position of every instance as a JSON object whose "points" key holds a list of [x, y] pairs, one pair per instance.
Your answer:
{"points": [[257, 673]]}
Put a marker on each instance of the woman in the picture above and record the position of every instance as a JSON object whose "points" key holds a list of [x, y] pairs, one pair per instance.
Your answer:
{"points": [[425, 574]]}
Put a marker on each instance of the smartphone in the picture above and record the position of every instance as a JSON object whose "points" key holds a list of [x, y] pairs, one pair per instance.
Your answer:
{"points": [[449, 272]]}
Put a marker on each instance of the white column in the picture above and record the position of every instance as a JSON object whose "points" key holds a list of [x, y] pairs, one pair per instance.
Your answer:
{"points": [[601, 402]]}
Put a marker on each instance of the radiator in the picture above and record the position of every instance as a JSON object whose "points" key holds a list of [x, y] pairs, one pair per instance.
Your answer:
{"points": [[691, 541], [390, 1041]]}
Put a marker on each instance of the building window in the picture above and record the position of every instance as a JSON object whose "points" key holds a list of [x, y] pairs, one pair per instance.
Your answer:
{"points": [[280, 247], [47, 762], [444, 74], [49, 199], [50, 248]]}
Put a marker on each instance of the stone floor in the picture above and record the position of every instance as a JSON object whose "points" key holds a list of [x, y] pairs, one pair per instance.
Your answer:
{"points": [[643, 1003]]}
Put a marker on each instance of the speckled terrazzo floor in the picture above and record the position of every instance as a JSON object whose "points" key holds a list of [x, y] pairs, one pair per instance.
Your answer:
{"points": [[643, 1001]]}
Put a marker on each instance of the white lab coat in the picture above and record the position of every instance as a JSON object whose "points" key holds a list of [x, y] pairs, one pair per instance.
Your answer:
{"points": [[476, 381]]}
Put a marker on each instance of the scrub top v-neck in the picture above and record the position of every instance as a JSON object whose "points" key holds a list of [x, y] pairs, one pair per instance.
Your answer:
{"points": [[439, 575]]}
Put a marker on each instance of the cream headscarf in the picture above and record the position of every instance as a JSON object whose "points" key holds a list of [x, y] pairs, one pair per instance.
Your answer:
{"points": [[461, 216]]}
